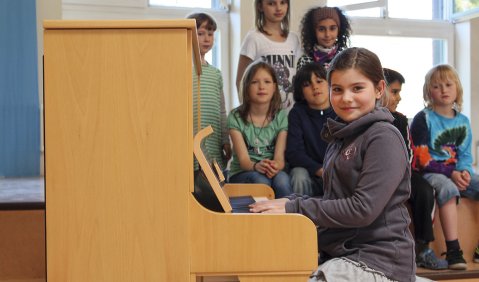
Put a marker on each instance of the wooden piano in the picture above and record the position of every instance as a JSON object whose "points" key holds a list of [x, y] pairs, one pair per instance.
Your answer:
{"points": [[119, 166]]}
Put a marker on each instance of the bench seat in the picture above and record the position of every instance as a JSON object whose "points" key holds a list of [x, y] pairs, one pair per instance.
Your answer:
{"points": [[468, 230], [22, 229]]}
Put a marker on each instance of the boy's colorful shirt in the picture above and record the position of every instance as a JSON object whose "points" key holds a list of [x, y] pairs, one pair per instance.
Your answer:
{"points": [[442, 144]]}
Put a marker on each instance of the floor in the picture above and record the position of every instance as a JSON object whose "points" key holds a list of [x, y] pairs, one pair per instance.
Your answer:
{"points": [[19, 190], [24, 280]]}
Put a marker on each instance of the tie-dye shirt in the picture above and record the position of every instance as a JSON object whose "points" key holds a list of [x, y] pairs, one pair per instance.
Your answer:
{"points": [[442, 144]]}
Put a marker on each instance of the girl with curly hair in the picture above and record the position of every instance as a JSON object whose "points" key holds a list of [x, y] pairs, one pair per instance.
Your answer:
{"points": [[325, 31]]}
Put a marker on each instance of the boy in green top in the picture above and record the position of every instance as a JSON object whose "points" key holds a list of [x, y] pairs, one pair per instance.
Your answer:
{"points": [[213, 110]]}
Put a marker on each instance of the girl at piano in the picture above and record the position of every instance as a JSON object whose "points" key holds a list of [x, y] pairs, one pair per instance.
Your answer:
{"points": [[258, 130], [363, 224]]}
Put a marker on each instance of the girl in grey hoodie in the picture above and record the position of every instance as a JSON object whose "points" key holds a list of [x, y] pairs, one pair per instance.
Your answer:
{"points": [[362, 221]]}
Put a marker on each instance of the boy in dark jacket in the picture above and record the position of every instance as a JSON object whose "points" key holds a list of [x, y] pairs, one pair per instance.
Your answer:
{"points": [[304, 147], [422, 194]]}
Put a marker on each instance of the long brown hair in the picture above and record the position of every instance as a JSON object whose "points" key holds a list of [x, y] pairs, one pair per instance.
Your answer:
{"points": [[259, 18], [274, 105]]}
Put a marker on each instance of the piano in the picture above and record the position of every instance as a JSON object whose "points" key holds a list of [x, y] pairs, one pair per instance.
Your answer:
{"points": [[119, 166]]}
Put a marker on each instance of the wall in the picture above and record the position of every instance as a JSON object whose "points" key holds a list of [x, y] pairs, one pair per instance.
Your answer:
{"points": [[474, 84], [467, 65], [19, 103]]}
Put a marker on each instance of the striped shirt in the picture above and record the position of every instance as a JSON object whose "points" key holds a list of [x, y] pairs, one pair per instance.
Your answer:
{"points": [[212, 111]]}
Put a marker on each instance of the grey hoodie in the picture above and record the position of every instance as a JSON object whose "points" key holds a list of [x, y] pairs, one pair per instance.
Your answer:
{"points": [[362, 215]]}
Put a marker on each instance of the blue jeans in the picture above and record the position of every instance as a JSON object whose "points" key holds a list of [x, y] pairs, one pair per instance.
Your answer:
{"points": [[305, 184], [446, 189], [280, 182]]}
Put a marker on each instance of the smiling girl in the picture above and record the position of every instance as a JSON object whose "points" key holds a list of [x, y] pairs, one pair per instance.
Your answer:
{"points": [[362, 221], [272, 42], [258, 130], [325, 32]]}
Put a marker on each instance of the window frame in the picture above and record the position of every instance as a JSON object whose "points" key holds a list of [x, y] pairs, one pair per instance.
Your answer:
{"points": [[384, 26], [220, 5], [408, 28]]}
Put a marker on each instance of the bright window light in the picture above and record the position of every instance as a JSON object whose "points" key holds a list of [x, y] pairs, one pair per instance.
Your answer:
{"points": [[401, 9], [182, 3], [410, 9], [412, 57], [465, 5]]}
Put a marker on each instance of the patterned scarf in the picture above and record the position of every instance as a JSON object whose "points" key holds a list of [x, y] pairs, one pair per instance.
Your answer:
{"points": [[324, 55]]}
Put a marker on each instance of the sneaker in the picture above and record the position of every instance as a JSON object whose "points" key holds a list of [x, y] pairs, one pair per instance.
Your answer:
{"points": [[476, 255], [456, 260], [428, 259]]}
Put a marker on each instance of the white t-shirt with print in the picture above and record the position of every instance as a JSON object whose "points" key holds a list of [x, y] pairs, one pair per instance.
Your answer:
{"points": [[281, 55]]}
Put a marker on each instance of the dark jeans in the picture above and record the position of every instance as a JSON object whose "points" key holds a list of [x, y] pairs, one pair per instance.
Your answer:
{"points": [[422, 205]]}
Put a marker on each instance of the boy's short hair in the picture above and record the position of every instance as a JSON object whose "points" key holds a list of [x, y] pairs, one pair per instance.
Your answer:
{"points": [[303, 75], [392, 76], [202, 18]]}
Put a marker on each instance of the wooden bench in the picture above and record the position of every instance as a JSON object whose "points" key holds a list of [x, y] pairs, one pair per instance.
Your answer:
{"points": [[22, 234], [468, 225]]}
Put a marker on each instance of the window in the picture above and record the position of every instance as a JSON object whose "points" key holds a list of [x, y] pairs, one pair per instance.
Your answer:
{"points": [[213, 7], [206, 4], [405, 36], [401, 9], [162, 9], [182, 3], [410, 56], [359, 8], [461, 6]]}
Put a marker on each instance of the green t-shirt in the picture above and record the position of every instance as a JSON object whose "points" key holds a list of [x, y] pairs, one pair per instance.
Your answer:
{"points": [[259, 141]]}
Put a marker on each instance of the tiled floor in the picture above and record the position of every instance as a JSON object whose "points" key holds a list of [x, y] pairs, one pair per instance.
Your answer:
{"points": [[19, 190]]}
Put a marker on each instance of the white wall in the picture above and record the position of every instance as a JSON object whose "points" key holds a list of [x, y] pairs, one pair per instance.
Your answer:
{"points": [[467, 64], [474, 86]]}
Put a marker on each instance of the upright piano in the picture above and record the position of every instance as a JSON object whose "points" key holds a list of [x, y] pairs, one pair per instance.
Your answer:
{"points": [[119, 166]]}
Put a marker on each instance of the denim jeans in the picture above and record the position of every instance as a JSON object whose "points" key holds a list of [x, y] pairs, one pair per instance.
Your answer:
{"points": [[280, 182], [302, 183], [446, 189]]}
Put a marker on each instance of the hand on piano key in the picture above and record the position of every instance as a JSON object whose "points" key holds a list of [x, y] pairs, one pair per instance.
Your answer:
{"points": [[271, 206]]}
